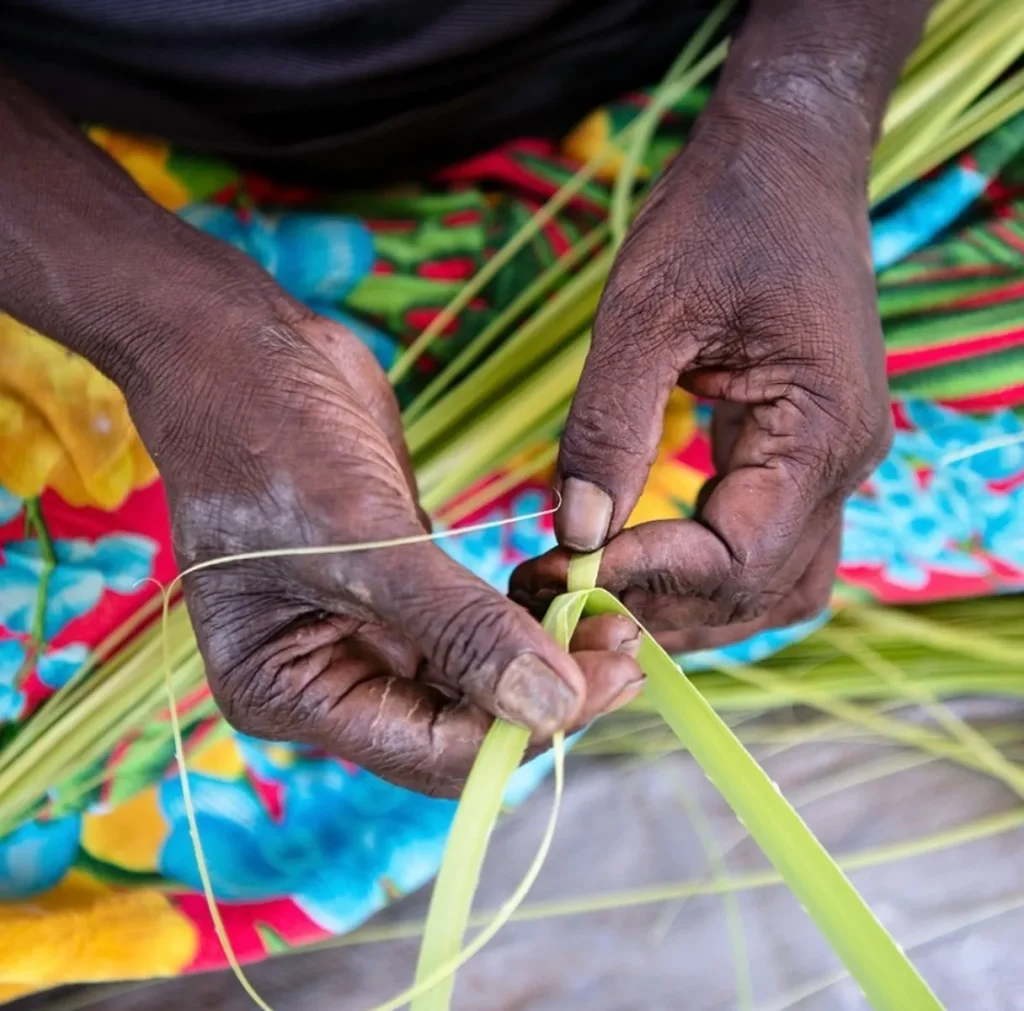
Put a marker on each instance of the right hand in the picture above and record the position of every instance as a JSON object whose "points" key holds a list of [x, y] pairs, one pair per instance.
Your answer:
{"points": [[397, 659], [272, 428]]}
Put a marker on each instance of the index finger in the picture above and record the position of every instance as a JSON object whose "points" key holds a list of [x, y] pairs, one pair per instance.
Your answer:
{"points": [[756, 534]]}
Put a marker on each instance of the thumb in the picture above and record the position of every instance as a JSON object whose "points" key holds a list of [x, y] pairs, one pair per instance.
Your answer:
{"points": [[611, 436], [478, 642]]}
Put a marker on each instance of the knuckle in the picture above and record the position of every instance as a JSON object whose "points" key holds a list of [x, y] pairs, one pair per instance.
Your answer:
{"points": [[630, 305], [835, 440], [440, 787], [635, 284], [802, 605], [463, 630], [608, 424], [882, 443], [655, 313], [869, 441], [644, 306], [663, 582], [745, 595], [272, 692], [749, 606], [244, 702]]}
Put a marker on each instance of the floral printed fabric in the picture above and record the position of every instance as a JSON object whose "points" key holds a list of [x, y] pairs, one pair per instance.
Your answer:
{"points": [[943, 516], [301, 845]]}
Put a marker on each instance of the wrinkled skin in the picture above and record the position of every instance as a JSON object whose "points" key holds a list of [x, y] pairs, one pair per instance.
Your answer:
{"points": [[395, 659], [275, 429], [746, 280], [750, 288]]}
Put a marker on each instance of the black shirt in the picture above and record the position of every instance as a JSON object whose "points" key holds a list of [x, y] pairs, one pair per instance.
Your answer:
{"points": [[344, 92]]}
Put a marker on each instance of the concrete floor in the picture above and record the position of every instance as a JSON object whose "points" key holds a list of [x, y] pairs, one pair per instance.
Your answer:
{"points": [[623, 825]]}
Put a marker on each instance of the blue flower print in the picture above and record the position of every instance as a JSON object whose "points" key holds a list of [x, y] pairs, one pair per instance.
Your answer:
{"points": [[83, 570], [529, 538], [493, 553], [124, 560], [323, 853], [10, 505], [1004, 532], [405, 831], [479, 551], [343, 840], [907, 530], [927, 210], [71, 591], [950, 441], [958, 498], [755, 649], [37, 855], [317, 257], [12, 661], [56, 667]]}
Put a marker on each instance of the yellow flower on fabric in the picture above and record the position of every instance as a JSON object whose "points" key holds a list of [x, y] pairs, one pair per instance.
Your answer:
{"points": [[146, 162], [63, 425], [129, 835], [132, 833], [12, 991], [222, 759], [84, 931], [671, 483], [589, 137]]}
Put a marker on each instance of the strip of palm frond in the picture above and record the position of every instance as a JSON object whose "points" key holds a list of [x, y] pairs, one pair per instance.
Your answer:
{"points": [[954, 650], [810, 672], [82, 723]]}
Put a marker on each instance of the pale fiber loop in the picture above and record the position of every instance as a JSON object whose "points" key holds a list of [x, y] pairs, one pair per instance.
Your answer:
{"points": [[448, 968], [343, 549], [451, 902]]}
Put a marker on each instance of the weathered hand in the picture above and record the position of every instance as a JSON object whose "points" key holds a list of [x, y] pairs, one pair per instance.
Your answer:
{"points": [[272, 428], [747, 280], [393, 658]]}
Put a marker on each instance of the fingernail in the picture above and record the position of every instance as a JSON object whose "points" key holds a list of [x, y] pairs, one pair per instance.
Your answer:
{"points": [[630, 692], [585, 515], [630, 646], [531, 694]]}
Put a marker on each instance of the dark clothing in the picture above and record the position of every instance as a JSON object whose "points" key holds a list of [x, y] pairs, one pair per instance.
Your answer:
{"points": [[345, 92]]}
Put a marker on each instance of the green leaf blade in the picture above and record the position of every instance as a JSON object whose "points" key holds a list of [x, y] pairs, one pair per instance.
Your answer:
{"points": [[887, 977]]}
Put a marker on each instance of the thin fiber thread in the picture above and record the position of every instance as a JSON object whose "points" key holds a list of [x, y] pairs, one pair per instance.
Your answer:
{"points": [[505, 912], [723, 757]]}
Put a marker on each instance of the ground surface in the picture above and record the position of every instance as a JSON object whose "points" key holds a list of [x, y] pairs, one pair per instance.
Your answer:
{"points": [[624, 826]]}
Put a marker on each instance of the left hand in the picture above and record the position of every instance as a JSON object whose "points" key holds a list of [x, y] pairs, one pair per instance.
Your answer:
{"points": [[746, 279]]}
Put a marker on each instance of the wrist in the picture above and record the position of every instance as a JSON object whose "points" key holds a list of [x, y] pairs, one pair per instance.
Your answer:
{"points": [[89, 260], [180, 305], [818, 74], [776, 155], [150, 301], [194, 338]]}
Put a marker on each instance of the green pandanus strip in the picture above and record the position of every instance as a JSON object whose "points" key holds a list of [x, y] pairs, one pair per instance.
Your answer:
{"points": [[867, 950]]}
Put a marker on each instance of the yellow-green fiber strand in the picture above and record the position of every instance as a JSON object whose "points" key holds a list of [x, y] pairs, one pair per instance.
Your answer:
{"points": [[876, 962]]}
